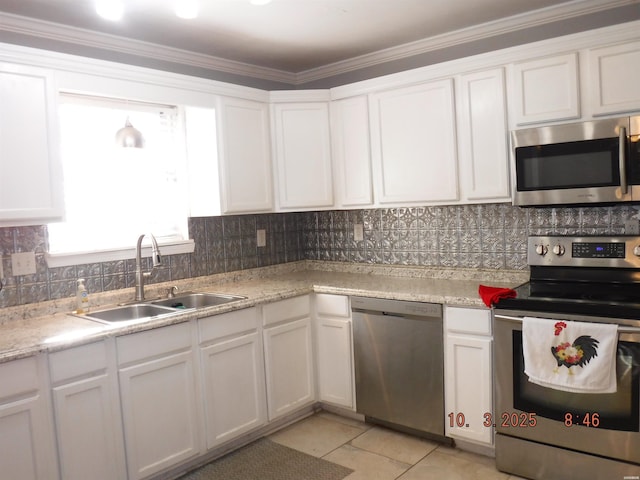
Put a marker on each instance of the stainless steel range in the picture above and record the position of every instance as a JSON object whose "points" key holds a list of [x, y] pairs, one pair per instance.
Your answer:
{"points": [[546, 433]]}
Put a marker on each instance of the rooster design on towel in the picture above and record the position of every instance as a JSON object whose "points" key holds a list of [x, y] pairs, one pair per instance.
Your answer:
{"points": [[579, 353]]}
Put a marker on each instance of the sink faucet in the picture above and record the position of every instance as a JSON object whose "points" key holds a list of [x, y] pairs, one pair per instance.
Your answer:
{"points": [[140, 275]]}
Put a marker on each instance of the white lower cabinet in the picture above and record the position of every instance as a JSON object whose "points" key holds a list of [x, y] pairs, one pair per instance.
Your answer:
{"points": [[288, 354], [27, 444], [468, 379], [158, 393], [232, 375], [87, 413], [334, 350]]}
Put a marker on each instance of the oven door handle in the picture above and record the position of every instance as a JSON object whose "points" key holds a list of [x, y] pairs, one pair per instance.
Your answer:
{"points": [[621, 329]]}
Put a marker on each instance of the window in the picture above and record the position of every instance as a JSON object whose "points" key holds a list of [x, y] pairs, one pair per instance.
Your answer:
{"points": [[115, 194]]}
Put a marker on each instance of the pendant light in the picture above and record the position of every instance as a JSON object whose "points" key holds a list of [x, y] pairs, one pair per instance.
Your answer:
{"points": [[128, 136]]}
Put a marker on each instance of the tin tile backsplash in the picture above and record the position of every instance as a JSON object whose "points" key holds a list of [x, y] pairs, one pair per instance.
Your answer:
{"points": [[482, 236]]}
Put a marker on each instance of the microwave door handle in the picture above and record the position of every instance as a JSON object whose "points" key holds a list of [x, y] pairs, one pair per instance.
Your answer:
{"points": [[622, 158]]}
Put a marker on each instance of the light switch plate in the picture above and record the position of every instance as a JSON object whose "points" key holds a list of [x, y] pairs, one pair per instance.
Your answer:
{"points": [[23, 263], [358, 232], [632, 227], [261, 237]]}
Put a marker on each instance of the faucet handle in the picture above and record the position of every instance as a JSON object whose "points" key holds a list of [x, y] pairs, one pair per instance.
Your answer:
{"points": [[172, 292]]}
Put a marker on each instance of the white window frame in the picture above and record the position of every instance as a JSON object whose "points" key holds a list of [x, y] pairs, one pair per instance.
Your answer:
{"points": [[167, 246]]}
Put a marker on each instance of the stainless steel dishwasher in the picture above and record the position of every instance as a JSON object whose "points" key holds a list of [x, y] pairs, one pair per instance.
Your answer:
{"points": [[399, 364]]}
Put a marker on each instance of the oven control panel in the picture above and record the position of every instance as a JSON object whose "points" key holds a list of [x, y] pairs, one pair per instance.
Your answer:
{"points": [[613, 252]]}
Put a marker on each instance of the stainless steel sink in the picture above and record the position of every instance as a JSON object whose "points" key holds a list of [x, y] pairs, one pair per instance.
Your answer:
{"points": [[126, 313], [197, 300]]}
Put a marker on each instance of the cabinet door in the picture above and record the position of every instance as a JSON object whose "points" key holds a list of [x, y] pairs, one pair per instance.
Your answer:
{"points": [[614, 73], [483, 155], [245, 156], [27, 444], [468, 387], [335, 366], [303, 155], [351, 152], [289, 367], [546, 89], [159, 410], [414, 144], [24, 446], [234, 392], [86, 430], [30, 169]]}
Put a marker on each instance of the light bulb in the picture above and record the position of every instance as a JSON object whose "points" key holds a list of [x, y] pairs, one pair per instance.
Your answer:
{"points": [[187, 9], [110, 9]]}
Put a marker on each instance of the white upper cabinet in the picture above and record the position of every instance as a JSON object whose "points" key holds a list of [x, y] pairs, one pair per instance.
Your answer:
{"points": [[546, 89], [351, 151], [302, 155], [229, 158], [483, 146], [414, 144], [30, 170], [614, 73], [245, 156]]}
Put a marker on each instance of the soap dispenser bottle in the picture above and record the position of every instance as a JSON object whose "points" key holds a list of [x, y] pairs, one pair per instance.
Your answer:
{"points": [[82, 298]]}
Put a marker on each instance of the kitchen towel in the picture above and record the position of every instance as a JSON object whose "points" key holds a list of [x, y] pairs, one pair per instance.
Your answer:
{"points": [[570, 356], [491, 295]]}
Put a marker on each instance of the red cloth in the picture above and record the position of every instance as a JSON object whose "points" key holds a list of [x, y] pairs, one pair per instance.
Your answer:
{"points": [[491, 295]]}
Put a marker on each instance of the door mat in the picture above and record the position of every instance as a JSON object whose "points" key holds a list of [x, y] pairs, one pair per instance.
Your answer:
{"points": [[267, 460]]}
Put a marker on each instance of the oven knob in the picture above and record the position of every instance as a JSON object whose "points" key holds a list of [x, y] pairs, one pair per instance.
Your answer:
{"points": [[542, 249], [636, 250], [558, 250]]}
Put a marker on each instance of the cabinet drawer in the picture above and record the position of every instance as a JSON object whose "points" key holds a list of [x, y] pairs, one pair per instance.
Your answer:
{"points": [[227, 324], [152, 343], [78, 361], [286, 310], [18, 377], [476, 321], [332, 305]]}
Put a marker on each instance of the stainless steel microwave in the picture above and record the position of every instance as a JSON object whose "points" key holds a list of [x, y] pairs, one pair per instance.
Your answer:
{"points": [[577, 163]]}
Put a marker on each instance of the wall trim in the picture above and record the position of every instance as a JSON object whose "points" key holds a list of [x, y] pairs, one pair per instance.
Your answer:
{"points": [[61, 33], [70, 67], [591, 39], [511, 24]]}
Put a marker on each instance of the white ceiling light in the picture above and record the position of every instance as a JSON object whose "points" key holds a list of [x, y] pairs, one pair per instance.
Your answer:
{"points": [[259, 2], [110, 9], [187, 9]]}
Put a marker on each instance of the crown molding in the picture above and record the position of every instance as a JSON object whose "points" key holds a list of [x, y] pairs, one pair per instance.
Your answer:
{"points": [[87, 38], [73, 35], [511, 24]]}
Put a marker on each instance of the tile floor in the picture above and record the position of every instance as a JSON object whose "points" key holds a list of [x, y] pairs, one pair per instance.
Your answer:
{"points": [[375, 453]]}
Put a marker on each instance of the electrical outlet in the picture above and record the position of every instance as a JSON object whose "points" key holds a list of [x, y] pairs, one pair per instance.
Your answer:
{"points": [[23, 263], [358, 232], [632, 227], [261, 237]]}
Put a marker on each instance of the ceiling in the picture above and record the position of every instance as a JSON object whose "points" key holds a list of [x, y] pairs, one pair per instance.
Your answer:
{"points": [[287, 37]]}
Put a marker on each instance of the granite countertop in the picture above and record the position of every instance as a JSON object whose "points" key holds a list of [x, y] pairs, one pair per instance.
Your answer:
{"points": [[48, 326]]}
